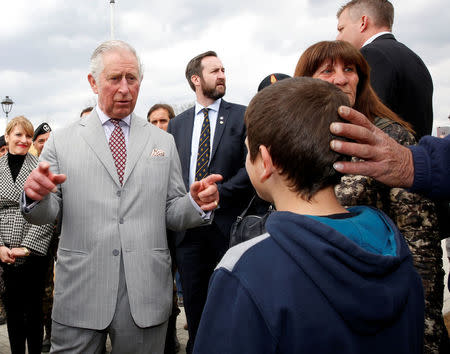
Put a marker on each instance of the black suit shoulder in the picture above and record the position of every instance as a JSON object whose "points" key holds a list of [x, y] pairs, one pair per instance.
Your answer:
{"points": [[182, 115], [402, 81], [234, 106], [394, 52]]}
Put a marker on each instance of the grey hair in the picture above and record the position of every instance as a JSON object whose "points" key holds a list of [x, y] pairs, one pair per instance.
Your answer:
{"points": [[96, 64], [382, 11]]}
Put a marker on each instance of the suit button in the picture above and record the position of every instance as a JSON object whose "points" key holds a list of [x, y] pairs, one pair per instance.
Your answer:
{"points": [[121, 221], [119, 193], [116, 252]]}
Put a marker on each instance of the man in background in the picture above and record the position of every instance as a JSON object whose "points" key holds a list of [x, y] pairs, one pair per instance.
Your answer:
{"points": [[160, 114], [398, 75], [85, 112], [3, 146], [210, 139], [40, 137]]}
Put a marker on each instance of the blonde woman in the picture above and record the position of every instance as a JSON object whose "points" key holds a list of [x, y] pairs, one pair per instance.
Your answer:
{"points": [[22, 246]]}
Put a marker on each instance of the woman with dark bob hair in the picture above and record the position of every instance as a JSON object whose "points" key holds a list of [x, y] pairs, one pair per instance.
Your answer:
{"points": [[22, 246], [343, 65]]}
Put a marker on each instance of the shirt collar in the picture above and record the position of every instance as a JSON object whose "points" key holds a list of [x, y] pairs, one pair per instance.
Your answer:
{"points": [[214, 106], [375, 36], [104, 118]]}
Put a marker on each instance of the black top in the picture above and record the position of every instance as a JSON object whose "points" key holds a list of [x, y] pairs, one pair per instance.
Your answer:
{"points": [[15, 163]]}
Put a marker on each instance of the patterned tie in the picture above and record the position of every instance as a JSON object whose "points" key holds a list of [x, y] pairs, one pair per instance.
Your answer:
{"points": [[118, 148], [201, 170]]}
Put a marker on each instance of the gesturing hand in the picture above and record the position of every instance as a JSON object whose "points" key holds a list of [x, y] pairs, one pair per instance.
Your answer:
{"points": [[41, 182], [205, 192]]}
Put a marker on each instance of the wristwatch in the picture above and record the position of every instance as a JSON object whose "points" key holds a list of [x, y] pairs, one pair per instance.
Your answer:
{"points": [[26, 250]]}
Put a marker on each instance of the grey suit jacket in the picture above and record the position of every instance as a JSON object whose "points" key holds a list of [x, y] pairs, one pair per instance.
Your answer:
{"points": [[102, 221]]}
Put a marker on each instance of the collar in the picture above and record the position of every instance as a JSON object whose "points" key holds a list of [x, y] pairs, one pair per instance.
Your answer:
{"points": [[214, 106], [375, 36], [104, 118]]}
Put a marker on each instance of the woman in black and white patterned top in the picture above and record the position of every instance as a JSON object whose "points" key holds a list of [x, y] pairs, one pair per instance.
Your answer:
{"points": [[23, 246]]}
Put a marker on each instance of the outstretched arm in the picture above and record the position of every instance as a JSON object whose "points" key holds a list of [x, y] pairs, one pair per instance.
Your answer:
{"points": [[384, 159]]}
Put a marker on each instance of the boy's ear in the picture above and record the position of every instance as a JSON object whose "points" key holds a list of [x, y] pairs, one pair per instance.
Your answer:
{"points": [[267, 168]]}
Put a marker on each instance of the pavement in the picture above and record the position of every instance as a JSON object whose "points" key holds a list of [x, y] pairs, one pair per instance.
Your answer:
{"points": [[182, 334]]}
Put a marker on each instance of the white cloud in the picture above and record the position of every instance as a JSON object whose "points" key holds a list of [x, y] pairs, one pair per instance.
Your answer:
{"points": [[46, 46]]}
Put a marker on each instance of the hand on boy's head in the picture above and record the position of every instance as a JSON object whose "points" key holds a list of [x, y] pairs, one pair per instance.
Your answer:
{"points": [[384, 159]]}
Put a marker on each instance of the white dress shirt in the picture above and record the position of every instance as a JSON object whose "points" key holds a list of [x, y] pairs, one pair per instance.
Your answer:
{"points": [[108, 126], [375, 36]]}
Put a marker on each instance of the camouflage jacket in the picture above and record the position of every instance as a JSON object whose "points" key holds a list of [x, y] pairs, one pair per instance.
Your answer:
{"points": [[416, 218]]}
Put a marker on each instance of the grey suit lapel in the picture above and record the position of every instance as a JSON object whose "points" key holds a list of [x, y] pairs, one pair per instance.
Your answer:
{"points": [[136, 143], [222, 119], [94, 135]]}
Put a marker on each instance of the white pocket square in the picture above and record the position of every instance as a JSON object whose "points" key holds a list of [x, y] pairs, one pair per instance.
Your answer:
{"points": [[158, 152]]}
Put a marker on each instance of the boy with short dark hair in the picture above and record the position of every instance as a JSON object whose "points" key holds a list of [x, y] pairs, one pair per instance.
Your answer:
{"points": [[323, 279]]}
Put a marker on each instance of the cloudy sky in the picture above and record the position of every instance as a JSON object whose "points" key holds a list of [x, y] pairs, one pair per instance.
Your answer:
{"points": [[46, 45]]}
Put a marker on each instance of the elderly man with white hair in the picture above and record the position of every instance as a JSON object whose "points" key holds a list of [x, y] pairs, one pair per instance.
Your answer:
{"points": [[116, 194]]}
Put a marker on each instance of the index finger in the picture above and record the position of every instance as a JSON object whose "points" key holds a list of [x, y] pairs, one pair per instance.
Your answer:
{"points": [[44, 167], [212, 179], [353, 116], [354, 132]]}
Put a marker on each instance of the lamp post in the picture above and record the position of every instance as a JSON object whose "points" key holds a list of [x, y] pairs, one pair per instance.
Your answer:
{"points": [[111, 5], [7, 104]]}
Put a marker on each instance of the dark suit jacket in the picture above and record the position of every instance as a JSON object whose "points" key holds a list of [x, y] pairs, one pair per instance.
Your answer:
{"points": [[402, 81], [227, 158]]}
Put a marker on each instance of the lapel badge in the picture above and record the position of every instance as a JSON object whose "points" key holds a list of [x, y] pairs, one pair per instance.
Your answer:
{"points": [[220, 120]]}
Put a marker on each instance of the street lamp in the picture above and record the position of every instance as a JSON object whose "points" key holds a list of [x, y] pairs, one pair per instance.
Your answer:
{"points": [[111, 5], [7, 104]]}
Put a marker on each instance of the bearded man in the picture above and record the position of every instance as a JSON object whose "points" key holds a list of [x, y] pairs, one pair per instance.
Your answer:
{"points": [[210, 139]]}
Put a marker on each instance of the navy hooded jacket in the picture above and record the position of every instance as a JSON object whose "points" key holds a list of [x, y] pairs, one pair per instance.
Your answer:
{"points": [[306, 288], [432, 167]]}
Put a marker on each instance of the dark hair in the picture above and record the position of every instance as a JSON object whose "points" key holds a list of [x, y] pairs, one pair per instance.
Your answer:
{"points": [[86, 110], [195, 67], [381, 11], [366, 101], [302, 110], [167, 107]]}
